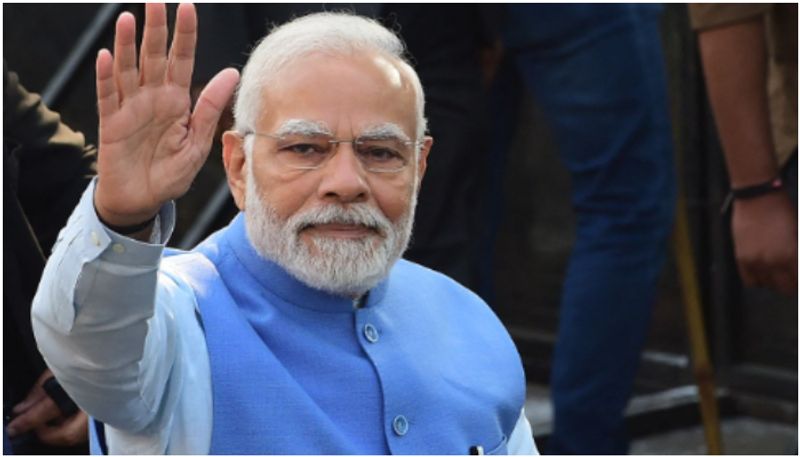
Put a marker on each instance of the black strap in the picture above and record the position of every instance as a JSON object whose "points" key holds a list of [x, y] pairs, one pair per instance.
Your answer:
{"points": [[758, 189], [748, 192], [128, 229], [60, 397]]}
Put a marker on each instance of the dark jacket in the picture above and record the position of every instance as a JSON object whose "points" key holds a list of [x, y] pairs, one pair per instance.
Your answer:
{"points": [[46, 167]]}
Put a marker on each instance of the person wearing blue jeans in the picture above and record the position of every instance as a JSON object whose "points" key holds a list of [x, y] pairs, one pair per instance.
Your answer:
{"points": [[597, 72]]}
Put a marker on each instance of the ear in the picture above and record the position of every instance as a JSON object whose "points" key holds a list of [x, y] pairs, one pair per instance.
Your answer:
{"points": [[235, 162], [422, 160]]}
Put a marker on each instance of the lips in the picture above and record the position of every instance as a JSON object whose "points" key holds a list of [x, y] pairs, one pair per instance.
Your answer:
{"points": [[341, 230]]}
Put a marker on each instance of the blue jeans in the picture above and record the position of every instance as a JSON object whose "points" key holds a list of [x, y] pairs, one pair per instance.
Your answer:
{"points": [[597, 72]]}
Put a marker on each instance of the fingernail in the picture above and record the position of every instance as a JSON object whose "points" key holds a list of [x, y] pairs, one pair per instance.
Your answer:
{"points": [[11, 432]]}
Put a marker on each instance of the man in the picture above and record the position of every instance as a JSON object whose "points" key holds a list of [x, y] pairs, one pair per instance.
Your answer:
{"points": [[295, 329], [749, 55], [46, 166], [447, 217], [597, 73]]}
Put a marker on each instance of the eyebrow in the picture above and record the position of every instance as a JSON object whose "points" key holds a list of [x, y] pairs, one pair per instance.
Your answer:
{"points": [[303, 127], [384, 131]]}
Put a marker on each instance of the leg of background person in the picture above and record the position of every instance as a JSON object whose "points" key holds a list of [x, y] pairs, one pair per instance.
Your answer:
{"points": [[598, 73]]}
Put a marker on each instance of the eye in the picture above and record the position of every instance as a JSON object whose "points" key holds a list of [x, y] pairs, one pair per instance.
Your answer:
{"points": [[380, 153], [305, 149]]}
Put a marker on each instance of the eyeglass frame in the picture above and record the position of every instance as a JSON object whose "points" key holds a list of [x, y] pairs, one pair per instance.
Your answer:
{"points": [[335, 142]]}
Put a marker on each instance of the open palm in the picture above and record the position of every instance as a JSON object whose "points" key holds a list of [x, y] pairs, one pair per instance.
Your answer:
{"points": [[151, 143]]}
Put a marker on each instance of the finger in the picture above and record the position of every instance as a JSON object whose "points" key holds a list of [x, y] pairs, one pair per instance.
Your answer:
{"points": [[107, 97], [27, 404], [71, 432], [748, 275], [784, 283], [37, 415], [35, 395], [153, 64], [125, 73], [181, 55], [782, 276], [210, 106], [764, 276]]}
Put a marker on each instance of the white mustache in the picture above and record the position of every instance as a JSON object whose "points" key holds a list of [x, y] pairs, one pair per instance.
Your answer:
{"points": [[361, 214]]}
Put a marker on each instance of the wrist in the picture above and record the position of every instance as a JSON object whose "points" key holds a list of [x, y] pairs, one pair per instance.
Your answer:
{"points": [[742, 194], [62, 400], [129, 229], [757, 189], [124, 223]]}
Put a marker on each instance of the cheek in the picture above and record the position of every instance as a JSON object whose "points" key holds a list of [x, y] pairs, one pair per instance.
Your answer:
{"points": [[393, 197], [286, 193]]}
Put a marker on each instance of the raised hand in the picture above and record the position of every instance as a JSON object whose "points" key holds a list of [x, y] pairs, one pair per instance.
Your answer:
{"points": [[151, 143]]}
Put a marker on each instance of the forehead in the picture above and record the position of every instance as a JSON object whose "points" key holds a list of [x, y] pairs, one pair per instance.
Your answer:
{"points": [[341, 91]]}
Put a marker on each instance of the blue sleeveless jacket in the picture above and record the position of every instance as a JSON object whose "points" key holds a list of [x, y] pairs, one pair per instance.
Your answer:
{"points": [[422, 366]]}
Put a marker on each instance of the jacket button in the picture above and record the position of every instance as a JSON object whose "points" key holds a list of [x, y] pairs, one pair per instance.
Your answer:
{"points": [[400, 425], [371, 333]]}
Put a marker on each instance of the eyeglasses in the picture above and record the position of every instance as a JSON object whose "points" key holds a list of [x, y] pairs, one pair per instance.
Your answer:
{"points": [[311, 151]]}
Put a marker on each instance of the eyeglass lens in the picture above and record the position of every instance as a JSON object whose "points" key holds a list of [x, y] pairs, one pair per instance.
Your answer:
{"points": [[312, 151]]}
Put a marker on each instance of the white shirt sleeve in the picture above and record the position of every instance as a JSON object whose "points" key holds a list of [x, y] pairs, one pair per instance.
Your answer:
{"points": [[521, 440], [96, 323]]}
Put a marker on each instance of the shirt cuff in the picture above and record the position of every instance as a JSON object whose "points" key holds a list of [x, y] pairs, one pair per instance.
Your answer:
{"points": [[123, 250]]}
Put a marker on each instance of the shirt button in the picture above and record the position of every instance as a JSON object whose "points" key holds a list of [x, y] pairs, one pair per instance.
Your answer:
{"points": [[118, 248], [400, 425], [95, 238], [371, 333]]}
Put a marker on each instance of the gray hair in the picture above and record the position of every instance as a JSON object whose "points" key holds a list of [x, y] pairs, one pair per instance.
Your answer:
{"points": [[333, 33]]}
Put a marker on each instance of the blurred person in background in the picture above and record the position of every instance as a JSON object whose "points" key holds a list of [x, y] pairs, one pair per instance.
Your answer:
{"points": [[597, 72], [749, 55], [46, 166]]}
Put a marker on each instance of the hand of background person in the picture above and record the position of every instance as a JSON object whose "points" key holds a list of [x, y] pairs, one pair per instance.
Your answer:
{"points": [[39, 413], [765, 242], [67, 432], [151, 144]]}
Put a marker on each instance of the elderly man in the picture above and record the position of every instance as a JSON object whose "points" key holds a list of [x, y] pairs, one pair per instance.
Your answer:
{"points": [[295, 329]]}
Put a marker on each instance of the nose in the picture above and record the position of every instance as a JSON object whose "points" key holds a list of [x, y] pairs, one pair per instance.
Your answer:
{"points": [[344, 177]]}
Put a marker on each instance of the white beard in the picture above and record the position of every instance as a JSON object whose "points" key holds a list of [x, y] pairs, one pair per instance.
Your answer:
{"points": [[346, 267]]}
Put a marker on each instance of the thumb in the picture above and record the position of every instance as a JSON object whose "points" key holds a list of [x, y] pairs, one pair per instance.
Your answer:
{"points": [[210, 104]]}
